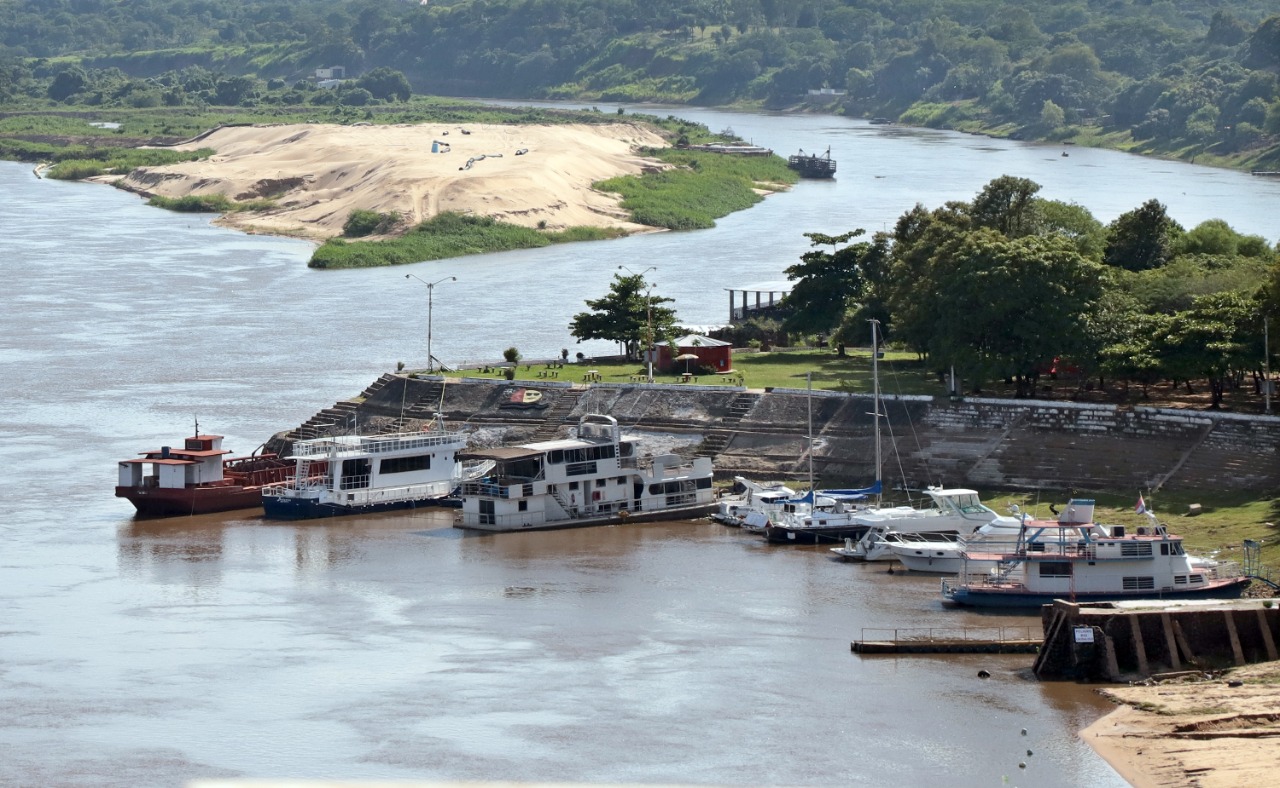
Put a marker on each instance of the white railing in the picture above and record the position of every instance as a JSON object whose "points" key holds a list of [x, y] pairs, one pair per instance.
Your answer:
{"points": [[377, 444]]}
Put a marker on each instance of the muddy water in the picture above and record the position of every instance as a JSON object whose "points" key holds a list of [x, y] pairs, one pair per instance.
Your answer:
{"points": [[149, 653]]}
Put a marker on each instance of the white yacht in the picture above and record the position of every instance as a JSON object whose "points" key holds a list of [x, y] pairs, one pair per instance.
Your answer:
{"points": [[595, 478], [952, 512]]}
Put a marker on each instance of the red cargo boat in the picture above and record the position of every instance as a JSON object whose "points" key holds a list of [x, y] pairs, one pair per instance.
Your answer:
{"points": [[198, 478]]}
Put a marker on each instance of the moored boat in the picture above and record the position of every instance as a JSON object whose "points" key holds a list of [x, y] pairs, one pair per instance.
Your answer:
{"points": [[363, 474], [595, 478], [198, 478], [1088, 562], [812, 165], [952, 513]]}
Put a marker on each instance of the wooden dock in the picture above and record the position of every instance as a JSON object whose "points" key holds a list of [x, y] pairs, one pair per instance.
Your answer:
{"points": [[951, 640]]}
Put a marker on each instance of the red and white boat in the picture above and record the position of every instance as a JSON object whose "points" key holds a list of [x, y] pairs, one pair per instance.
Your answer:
{"points": [[198, 478]]}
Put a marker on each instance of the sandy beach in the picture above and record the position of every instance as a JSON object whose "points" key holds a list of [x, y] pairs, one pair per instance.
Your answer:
{"points": [[317, 174], [1204, 733]]}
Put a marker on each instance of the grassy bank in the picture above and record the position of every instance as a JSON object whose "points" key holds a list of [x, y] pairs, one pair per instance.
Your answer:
{"points": [[701, 187], [443, 236]]}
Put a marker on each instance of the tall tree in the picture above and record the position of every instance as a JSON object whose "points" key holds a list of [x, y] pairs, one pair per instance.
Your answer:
{"points": [[1007, 204], [627, 314], [825, 282], [1142, 238]]}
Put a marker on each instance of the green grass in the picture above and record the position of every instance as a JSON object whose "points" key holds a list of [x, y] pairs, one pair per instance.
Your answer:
{"points": [[443, 236], [80, 162], [209, 203], [701, 188]]}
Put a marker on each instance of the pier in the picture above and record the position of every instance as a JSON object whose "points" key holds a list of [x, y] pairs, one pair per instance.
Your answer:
{"points": [[949, 640]]}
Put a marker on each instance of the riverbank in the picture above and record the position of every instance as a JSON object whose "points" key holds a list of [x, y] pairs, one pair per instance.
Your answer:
{"points": [[1219, 732], [317, 174]]}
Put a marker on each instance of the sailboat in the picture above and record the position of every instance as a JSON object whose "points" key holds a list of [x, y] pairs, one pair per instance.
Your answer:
{"points": [[825, 524]]}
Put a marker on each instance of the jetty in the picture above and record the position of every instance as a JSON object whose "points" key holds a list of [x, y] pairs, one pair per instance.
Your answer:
{"points": [[1134, 640], [950, 640]]}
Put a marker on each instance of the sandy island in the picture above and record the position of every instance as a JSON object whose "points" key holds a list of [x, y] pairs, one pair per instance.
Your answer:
{"points": [[1202, 733], [318, 174]]}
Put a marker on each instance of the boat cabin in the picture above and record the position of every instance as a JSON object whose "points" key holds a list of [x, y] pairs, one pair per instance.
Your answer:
{"points": [[198, 462]]}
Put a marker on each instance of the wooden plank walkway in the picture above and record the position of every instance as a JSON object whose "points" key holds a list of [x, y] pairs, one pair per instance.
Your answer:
{"points": [[955, 640]]}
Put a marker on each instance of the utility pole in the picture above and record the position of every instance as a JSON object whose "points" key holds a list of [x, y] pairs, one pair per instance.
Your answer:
{"points": [[648, 314]]}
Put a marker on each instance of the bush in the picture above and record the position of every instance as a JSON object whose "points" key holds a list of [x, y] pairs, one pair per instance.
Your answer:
{"points": [[194, 203], [511, 355], [361, 223]]}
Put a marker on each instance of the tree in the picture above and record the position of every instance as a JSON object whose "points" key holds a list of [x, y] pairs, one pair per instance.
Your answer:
{"points": [[826, 282], [1142, 238], [625, 315], [1051, 116], [1007, 205], [1010, 307], [1215, 338], [386, 84]]}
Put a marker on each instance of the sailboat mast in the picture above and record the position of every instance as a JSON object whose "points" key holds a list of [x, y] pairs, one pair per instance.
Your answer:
{"points": [[875, 383], [808, 382]]}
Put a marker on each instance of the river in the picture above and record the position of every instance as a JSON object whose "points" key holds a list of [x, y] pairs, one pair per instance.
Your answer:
{"points": [[395, 647]]}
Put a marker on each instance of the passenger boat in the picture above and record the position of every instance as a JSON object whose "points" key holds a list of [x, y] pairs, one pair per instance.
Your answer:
{"points": [[953, 512], [362, 474], [198, 478], [812, 165], [1088, 562], [595, 478]]}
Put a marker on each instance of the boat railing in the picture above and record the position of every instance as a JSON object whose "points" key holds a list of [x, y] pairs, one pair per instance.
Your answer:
{"points": [[376, 444], [951, 634]]}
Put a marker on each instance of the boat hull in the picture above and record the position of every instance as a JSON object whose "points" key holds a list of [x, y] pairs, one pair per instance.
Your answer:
{"points": [[674, 513], [174, 501], [996, 597], [281, 508], [825, 535]]}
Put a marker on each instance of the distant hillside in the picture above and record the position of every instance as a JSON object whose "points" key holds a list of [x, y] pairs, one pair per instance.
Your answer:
{"points": [[1190, 78]]}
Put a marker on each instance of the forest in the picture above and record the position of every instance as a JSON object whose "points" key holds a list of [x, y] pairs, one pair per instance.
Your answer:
{"points": [[1195, 78], [1012, 286]]}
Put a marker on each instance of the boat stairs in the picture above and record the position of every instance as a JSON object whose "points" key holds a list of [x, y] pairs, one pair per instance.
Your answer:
{"points": [[947, 640]]}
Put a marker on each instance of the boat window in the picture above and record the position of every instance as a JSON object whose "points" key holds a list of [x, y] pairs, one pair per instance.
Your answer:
{"points": [[1177, 549], [1197, 578], [523, 505], [1179, 580], [1164, 548], [556, 456], [355, 473], [421, 462], [1139, 583], [574, 455], [601, 482], [627, 449], [1135, 549], [620, 480], [1055, 569], [704, 483], [573, 485]]}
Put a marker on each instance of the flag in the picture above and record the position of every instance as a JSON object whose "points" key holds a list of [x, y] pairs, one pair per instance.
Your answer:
{"points": [[1141, 508]]}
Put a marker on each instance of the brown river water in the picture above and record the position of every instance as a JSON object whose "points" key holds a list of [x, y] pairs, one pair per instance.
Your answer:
{"points": [[139, 653]]}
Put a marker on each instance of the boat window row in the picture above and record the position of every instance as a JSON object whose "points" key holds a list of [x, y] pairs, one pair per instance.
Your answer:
{"points": [[1172, 548], [599, 482], [1181, 580], [1055, 569], [1135, 549], [585, 454], [683, 485], [1139, 583], [420, 462]]}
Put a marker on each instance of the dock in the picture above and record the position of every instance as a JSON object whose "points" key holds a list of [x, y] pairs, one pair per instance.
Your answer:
{"points": [[948, 640]]}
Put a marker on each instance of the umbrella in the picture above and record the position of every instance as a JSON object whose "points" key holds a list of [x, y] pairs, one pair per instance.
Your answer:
{"points": [[686, 357]]}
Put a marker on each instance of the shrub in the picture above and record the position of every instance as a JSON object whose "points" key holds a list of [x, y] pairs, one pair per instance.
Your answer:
{"points": [[511, 354], [193, 203], [361, 223]]}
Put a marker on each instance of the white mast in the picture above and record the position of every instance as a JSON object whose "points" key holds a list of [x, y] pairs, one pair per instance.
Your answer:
{"points": [[808, 382], [875, 382]]}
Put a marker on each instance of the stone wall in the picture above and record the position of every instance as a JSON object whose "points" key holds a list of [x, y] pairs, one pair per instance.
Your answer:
{"points": [[977, 442]]}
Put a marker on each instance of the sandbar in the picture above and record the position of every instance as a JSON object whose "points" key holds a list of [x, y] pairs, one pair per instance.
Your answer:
{"points": [[531, 175]]}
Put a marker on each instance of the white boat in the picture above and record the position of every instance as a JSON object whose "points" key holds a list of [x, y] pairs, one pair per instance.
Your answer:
{"points": [[883, 547], [360, 474], [596, 478], [1088, 562], [947, 557], [952, 512], [733, 509]]}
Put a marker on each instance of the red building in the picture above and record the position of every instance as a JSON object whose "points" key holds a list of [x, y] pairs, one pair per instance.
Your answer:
{"points": [[711, 354]]}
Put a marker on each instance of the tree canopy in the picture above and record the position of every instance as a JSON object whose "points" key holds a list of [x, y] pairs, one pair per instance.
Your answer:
{"points": [[629, 314]]}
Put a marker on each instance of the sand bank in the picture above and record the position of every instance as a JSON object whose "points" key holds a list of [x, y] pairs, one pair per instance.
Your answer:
{"points": [[1203, 733], [317, 174]]}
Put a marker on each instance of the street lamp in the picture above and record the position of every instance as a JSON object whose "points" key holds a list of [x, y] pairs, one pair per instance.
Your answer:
{"points": [[431, 288], [648, 312]]}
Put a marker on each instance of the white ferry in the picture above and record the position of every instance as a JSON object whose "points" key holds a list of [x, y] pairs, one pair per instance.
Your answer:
{"points": [[1088, 562], [361, 474], [596, 478]]}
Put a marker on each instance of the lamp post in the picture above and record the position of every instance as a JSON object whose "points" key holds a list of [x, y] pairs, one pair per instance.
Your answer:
{"points": [[648, 314], [431, 288]]}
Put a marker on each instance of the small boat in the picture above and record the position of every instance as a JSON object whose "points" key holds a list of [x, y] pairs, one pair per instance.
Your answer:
{"points": [[733, 509], [812, 165], [198, 478], [1087, 562], [883, 546], [953, 512], [880, 121], [362, 474], [595, 478]]}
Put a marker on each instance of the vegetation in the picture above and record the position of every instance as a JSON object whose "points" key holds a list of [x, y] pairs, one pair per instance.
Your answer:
{"points": [[629, 314], [361, 223], [700, 188], [208, 203], [442, 236], [1013, 287], [1188, 79]]}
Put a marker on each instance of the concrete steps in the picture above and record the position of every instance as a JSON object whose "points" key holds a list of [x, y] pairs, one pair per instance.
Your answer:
{"points": [[559, 415]]}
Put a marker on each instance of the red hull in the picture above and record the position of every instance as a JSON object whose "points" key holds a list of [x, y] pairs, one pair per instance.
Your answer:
{"points": [[160, 501]]}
